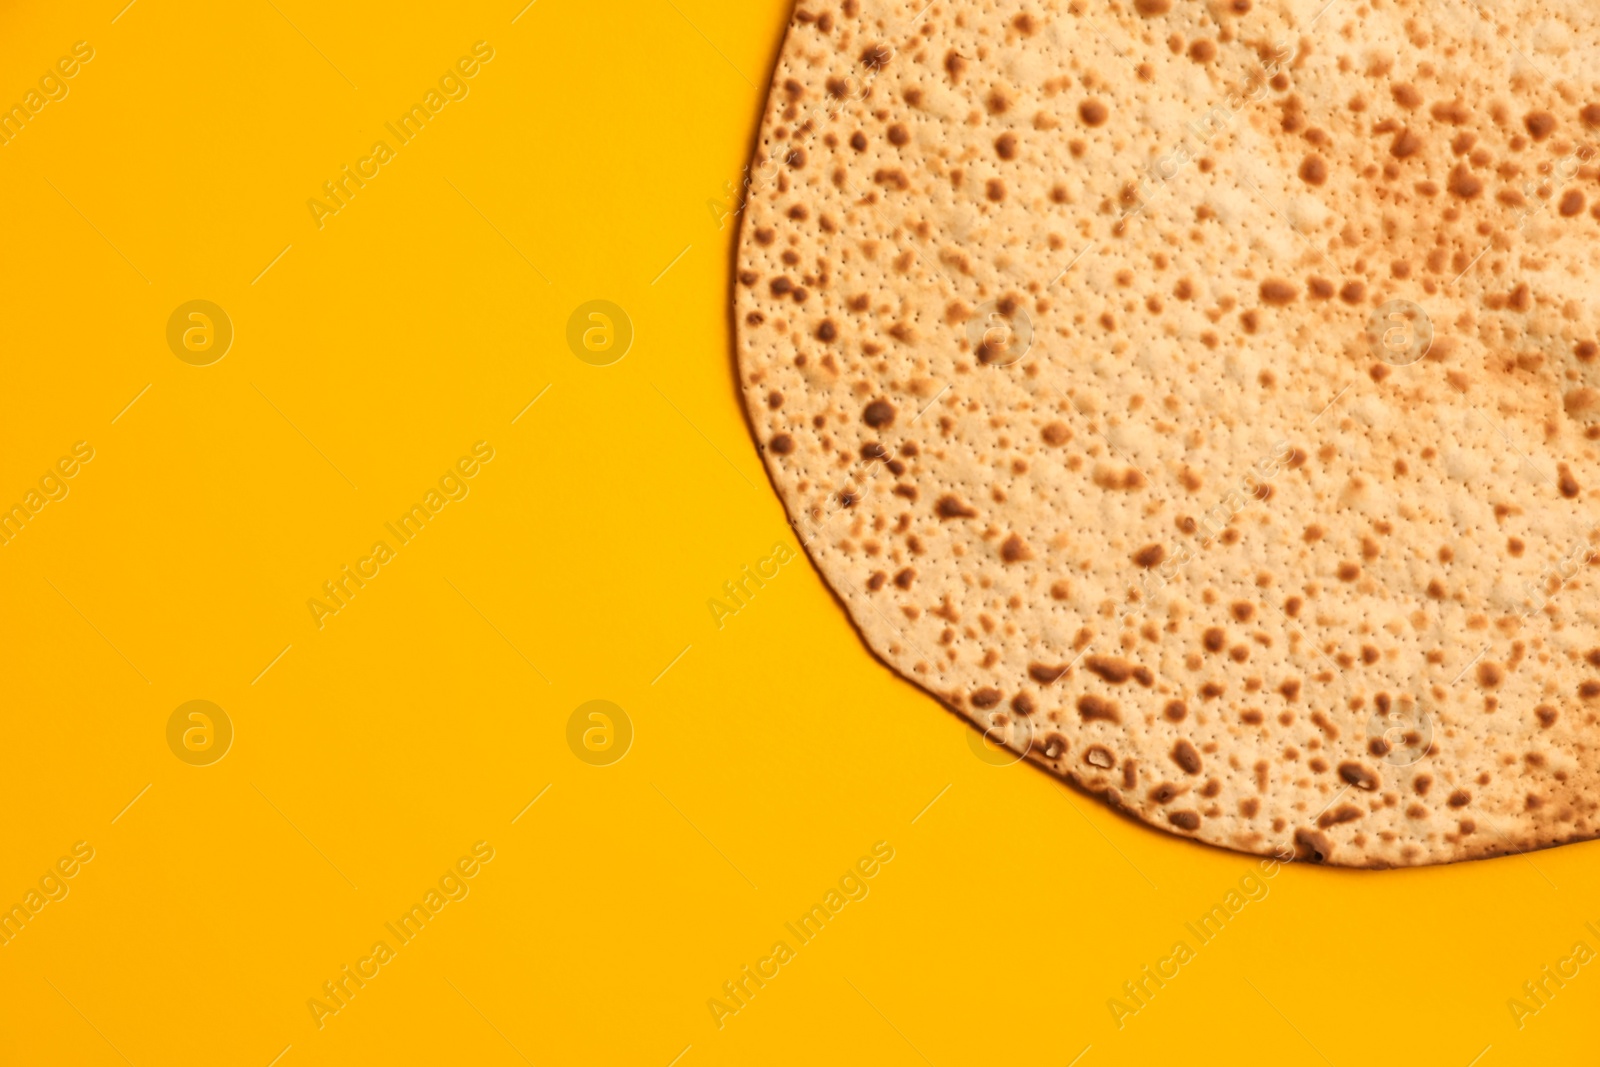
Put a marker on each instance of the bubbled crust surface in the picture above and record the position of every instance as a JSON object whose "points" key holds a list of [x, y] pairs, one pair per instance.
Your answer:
{"points": [[1200, 536]]}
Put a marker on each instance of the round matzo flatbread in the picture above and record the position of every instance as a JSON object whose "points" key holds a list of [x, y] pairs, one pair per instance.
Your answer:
{"points": [[1203, 398]]}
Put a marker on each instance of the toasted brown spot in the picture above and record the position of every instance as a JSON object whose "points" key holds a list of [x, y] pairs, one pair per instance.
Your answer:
{"points": [[1184, 820], [1093, 113], [1164, 793], [1175, 711], [1313, 171], [1463, 183], [949, 507], [1358, 775], [1185, 756], [1013, 550], [1539, 124], [782, 444], [1342, 814], [1459, 799], [1312, 846], [1405, 94], [876, 57], [1405, 144], [891, 176], [1565, 481], [1116, 671], [986, 697], [1277, 292], [1091, 707], [1149, 556], [878, 414], [1045, 674]]}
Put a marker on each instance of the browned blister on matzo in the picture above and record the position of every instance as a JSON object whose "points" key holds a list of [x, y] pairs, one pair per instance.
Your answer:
{"points": [[1203, 397]]}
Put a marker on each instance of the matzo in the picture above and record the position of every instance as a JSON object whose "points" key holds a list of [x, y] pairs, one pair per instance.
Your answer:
{"points": [[1203, 398]]}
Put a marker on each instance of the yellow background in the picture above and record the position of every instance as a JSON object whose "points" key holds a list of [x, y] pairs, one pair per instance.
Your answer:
{"points": [[591, 152]]}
